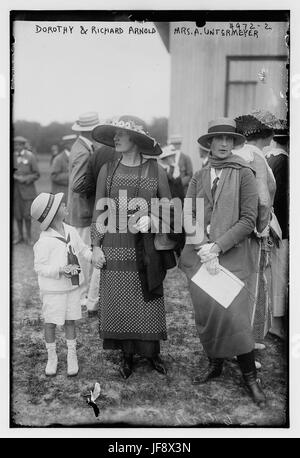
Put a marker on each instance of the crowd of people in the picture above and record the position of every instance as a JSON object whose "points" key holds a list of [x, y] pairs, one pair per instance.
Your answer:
{"points": [[118, 274]]}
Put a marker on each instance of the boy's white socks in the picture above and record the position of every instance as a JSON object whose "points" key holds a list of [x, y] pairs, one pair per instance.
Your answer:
{"points": [[51, 367], [72, 361]]}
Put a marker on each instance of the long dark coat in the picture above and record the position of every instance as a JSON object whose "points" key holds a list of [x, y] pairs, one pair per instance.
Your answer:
{"points": [[224, 332]]}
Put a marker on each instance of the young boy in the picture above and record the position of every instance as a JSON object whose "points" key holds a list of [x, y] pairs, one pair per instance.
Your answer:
{"points": [[59, 275]]}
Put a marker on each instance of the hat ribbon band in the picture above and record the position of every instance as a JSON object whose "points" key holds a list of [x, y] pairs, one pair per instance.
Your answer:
{"points": [[222, 128], [47, 209], [90, 122]]}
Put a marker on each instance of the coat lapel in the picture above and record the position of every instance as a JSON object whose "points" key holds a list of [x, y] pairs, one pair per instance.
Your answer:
{"points": [[221, 183], [82, 143]]}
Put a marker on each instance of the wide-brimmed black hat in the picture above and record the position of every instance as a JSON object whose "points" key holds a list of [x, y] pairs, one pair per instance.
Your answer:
{"points": [[256, 122], [104, 133], [221, 126]]}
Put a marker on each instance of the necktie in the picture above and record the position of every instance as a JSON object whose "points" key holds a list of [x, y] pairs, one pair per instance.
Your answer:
{"points": [[214, 187], [92, 149]]}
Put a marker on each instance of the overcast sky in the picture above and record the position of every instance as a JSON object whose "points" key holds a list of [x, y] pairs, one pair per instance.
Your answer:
{"points": [[58, 76]]}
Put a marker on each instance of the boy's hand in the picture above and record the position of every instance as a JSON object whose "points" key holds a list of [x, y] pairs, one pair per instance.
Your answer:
{"points": [[75, 269], [70, 269]]}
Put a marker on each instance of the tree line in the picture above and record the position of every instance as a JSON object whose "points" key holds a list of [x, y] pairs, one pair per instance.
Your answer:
{"points": [[41, 138]]}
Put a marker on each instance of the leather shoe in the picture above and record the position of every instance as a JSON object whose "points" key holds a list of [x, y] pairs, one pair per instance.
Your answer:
{"points": [[158, 365], [213, 370], [126, 366], [253, 385]]}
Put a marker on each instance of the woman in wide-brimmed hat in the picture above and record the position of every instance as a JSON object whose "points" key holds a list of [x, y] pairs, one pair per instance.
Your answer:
{"points": [[278, 160], [227, 186], [258, 128], [131, 304]]}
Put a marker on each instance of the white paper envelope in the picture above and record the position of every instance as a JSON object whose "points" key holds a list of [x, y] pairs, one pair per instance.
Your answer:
{"points": [[222, 287]]}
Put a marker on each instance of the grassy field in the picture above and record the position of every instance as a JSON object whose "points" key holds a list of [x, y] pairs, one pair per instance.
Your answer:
{"points": [[146, 398]]}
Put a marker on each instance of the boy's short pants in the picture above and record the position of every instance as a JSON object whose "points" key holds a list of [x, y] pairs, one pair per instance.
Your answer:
{"points": [[59, 307]]}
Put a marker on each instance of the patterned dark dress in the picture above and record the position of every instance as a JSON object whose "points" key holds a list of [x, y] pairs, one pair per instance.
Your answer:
{"points": [[126, 321]]}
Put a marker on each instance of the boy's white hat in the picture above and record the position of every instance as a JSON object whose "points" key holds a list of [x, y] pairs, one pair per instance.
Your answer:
{"points": [[44, 208]]}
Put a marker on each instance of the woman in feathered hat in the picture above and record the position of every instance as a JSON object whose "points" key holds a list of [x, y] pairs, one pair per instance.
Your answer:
{"points": [[227, 186], [258, 127], [278, 160], [131, 304]]}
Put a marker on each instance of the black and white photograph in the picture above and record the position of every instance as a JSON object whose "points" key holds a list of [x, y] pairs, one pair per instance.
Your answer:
{"points": [[149, 219]]}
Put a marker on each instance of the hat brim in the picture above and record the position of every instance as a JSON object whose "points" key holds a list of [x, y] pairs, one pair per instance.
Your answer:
{"points": [[78, 128], [168, 154], [204, 140], [20, 140], [55, 206], [105, 134]]}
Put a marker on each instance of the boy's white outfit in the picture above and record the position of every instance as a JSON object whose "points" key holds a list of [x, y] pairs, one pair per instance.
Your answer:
{"points": [[61, 300]]}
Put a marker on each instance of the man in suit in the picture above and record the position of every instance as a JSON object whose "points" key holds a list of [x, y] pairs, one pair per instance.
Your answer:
{"points": [[60, 167], [26, 172], [88, 182], [183, 161], [80, 206]]}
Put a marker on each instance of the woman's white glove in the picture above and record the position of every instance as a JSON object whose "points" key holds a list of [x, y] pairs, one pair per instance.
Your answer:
{"points": [[143, 224], [204, 252], [213, 266], [211, 260]]}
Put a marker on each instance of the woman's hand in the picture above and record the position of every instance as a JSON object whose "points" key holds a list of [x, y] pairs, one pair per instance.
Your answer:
{"points": [[264, 233], [204, 252], [215, 249], [98, 258], [143, 224], [209, 256], [213, 266]]}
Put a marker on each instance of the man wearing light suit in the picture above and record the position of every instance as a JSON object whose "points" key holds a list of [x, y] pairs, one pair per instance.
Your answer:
{"points": [[80, 206], [183, 161]]}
